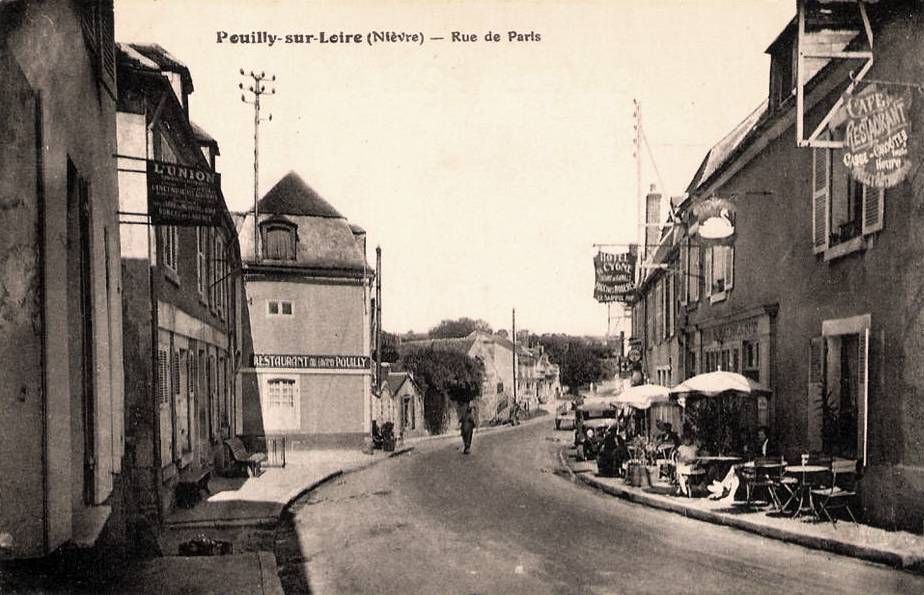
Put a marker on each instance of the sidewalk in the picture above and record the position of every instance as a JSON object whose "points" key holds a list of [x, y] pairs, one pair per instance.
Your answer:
{"points": [[894, 548], [244, 511]]}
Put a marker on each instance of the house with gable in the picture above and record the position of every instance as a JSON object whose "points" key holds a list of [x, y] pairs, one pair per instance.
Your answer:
{"points": [[306, 371]]}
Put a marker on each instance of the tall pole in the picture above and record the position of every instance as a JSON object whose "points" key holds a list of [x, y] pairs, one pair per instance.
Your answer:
{"points": [[378, 318], [257, 89], [640, 208], [514, 333]]}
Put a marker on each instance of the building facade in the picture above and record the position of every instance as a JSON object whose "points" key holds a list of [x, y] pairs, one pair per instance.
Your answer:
{"points": [[495, 352], [60, 312], [180, 314], [400, 401], [306, 353], [819, 297]]}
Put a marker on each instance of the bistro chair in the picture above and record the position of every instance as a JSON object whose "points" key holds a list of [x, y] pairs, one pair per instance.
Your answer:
{"points": [[760, 476], [839, 490], [684, 473], [784, 486]]}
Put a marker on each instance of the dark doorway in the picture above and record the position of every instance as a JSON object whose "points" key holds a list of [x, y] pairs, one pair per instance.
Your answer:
{"points": [[80, 319]]}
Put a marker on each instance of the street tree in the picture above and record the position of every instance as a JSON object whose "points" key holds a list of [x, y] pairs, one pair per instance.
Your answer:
{"points": [[461, 327], [447, 378], [580, 361]]}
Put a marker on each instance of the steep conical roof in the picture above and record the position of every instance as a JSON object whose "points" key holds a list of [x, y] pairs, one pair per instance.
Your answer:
{"points": [[292, 196]]}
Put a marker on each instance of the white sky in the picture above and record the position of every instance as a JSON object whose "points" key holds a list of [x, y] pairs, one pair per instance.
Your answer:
{"points": [[486, 171]]}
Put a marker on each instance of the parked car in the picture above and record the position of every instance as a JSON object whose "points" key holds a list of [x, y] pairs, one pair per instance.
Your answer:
{"points": [[564, 416], [591, 420]]}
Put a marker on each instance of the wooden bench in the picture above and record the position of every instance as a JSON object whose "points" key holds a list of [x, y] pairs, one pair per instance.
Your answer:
{"points": [[192, 482], [248, 462]]}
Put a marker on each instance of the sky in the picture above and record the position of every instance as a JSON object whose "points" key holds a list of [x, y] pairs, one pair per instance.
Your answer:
{"points": [[485, 170]]}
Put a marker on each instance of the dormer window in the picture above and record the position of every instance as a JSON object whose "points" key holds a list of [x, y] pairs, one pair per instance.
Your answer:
{"points": [[279, 240]]}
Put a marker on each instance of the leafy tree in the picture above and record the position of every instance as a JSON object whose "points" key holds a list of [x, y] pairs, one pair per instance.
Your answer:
{"points": [[580, 361], [445, 377], [461, 327]]}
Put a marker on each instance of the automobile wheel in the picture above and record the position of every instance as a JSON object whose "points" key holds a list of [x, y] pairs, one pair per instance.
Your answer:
{"points": [[557, 424]]}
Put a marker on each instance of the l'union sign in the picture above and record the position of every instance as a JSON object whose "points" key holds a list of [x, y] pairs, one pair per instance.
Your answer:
{"points": [[311, 362]]}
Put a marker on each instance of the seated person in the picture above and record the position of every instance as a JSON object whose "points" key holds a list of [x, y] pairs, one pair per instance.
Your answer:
{"points": [[763, 447], [613, 452], [725, 490], [668, 436], [687, 454]]}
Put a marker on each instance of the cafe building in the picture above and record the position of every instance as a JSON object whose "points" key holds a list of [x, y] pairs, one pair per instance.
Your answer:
{"points": [[307, 371], [817, 296], [179, 264]]}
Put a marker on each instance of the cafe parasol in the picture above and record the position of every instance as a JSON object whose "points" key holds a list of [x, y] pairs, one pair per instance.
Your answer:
{"points": [[643, 396], [715, 384]]}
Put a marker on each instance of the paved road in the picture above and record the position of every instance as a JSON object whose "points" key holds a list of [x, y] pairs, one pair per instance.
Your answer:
{"points": [[502, 521]]}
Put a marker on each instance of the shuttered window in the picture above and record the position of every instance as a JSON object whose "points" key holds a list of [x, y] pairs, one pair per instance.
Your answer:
{"points": [[707, 271], [163, 378], [821, 177], [873, 201], [98, 26]]}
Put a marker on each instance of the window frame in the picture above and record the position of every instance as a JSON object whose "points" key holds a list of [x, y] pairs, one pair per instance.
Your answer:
{"points": [[291, 231], [870, 207], [279, 308]]}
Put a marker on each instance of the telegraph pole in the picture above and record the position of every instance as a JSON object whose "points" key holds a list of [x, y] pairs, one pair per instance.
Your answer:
{"points": [[257, 89], [516, 404], [378, 318]]}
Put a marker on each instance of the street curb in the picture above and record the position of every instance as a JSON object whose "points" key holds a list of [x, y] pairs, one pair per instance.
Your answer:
{"points": [[299, 492], [910, 563]]}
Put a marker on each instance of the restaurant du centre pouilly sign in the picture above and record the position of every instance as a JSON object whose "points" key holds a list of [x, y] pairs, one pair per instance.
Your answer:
{"points": [[182, 195], [311, 362]]}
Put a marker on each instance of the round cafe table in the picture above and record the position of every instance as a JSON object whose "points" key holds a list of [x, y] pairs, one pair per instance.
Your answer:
{"points": [[804, 488]]}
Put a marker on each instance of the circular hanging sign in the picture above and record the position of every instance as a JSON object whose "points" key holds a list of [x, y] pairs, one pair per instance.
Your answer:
{"points": [[876, 136], [634, 355]]}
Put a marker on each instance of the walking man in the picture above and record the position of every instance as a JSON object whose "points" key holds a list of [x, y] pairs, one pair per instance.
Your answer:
{"points": [[468, 422]]}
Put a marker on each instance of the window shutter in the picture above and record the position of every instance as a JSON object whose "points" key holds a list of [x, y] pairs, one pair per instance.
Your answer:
{"points": [[816, 391], [821, 178], [863, 393], [696, 272], [729, 267], [107, 54], [684, 293], [873, 201], [707, 272]]}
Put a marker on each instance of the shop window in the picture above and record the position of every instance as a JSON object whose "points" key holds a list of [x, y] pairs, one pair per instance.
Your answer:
{"points": [[750, 365], [844, 211]]}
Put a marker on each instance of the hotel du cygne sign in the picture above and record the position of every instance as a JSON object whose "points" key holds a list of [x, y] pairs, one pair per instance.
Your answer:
{"points": [[311, 362], [182, 195]]}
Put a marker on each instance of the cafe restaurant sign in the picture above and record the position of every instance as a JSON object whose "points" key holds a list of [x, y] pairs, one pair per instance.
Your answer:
{"points": [[311, 362], [876, 136], [614, 276], [182, 195]]}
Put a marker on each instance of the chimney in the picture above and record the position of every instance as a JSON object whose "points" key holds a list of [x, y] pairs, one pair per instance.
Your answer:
{"points": [[652, 216]]}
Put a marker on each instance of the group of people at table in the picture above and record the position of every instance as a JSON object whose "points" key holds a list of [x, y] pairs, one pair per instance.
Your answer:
{"points": [[721, 473]]}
